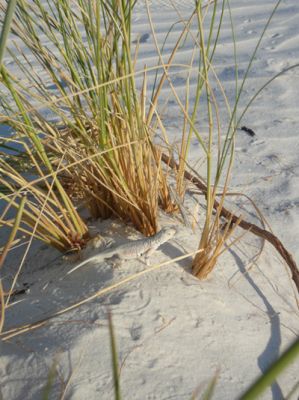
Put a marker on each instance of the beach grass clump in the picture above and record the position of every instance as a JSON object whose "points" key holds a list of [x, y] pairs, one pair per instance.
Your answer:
{"points": [[213, 236], [49, 214], [101, 130], [203, 122], [200, 106], [78, 113], [28, 172], [86, 133]]}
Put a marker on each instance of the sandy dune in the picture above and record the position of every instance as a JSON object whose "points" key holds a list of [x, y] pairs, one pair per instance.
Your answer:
{"points": [[173, 332]]}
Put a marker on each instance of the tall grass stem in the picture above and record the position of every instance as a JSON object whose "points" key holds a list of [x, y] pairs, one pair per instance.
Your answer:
{"points": [[6, 27]]}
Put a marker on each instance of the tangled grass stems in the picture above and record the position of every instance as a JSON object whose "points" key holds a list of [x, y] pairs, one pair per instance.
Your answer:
{"points": [[39, 164], [96, 102], [55, 226], [211, 238], [109, 115], [105, 113]]}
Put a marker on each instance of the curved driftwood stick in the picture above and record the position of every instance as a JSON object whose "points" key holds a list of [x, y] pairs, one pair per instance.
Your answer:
{"points": [[243, 224]]}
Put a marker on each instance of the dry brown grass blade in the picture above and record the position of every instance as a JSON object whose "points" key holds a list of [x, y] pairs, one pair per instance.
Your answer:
{"points": [[262, 233], [38, 324], [4, 119], [3, 256], [204, 263], [102, 107], [13, 233], [2, 306]]}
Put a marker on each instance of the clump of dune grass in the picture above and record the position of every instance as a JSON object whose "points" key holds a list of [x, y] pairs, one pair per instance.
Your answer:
{"points": [[213, 237], [49, 214], [217, 153], [97, 131], [96, 148]]}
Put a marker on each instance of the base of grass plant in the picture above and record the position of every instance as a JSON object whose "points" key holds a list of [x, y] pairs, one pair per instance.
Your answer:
{"points": [[212, 245], [203, 263], [246, 225], [125, 179], [109, 161], [48, 215]]}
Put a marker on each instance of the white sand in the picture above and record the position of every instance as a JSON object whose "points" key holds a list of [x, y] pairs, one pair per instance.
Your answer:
{"points": [[173, 332]]}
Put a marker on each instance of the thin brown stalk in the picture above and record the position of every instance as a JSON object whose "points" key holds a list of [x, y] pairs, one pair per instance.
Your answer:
{"points": [[38, 324], [2, 306], [4, 254], [13, 231]]}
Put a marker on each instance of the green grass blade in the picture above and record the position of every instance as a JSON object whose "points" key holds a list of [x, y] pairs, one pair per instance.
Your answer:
{"points": [[208, 394], [50, 381], [117, 394], [6, 27], [229, 138], [272, 373]]}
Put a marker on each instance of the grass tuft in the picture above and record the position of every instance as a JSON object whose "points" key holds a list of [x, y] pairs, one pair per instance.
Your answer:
{"points": [[102, 133]]}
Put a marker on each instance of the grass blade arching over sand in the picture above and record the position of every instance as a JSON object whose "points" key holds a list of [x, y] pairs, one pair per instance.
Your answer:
{"points": [[90, 56]]}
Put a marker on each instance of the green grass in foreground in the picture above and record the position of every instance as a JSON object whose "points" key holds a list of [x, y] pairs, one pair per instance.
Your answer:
{"points": [[254, 391]]}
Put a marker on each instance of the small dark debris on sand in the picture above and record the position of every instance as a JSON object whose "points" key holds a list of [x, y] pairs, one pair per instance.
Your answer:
{"points": [[249, 131]]}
